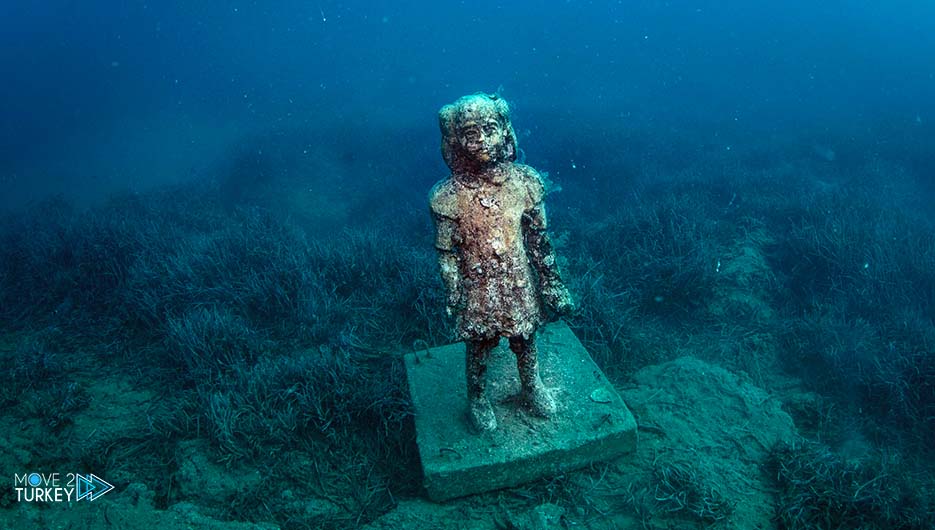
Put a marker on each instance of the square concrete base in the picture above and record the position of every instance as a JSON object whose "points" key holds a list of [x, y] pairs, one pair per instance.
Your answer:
{"points": [[591, 424]]}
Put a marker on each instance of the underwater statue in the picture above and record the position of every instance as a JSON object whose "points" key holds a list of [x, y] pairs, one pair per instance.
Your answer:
{"points": [[496, 257]]}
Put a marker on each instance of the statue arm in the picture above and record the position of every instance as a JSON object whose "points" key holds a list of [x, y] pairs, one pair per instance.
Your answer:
{"points": [[542, 257], [448, 262]]}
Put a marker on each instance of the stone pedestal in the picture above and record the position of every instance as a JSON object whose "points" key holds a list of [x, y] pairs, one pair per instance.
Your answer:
{"points": [[591, 424]]}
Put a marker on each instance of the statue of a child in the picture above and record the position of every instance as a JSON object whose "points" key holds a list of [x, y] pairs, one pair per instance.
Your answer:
{"points": [[496, 258]]}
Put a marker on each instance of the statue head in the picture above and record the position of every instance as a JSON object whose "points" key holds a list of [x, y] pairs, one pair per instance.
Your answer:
{"points": [[476, 133]]}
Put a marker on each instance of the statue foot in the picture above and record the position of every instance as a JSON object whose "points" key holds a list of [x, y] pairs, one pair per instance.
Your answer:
{"points": [[481, 414], [539, 401]]}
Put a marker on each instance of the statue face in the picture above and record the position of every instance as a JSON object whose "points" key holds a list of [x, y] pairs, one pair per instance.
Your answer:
{"points": [[481, 138], [476, 133]]}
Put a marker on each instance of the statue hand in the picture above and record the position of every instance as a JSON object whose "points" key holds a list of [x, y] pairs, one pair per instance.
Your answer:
{"points": [[558, 300], [565, 307], [454, 303]]}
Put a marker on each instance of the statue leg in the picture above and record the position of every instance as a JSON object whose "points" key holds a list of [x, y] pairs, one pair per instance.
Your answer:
{"points": [[534, 394], [480, 411]]}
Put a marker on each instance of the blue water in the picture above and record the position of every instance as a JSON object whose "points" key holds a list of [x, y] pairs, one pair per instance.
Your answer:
{"points": [[213, 215], [104, 96]]}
